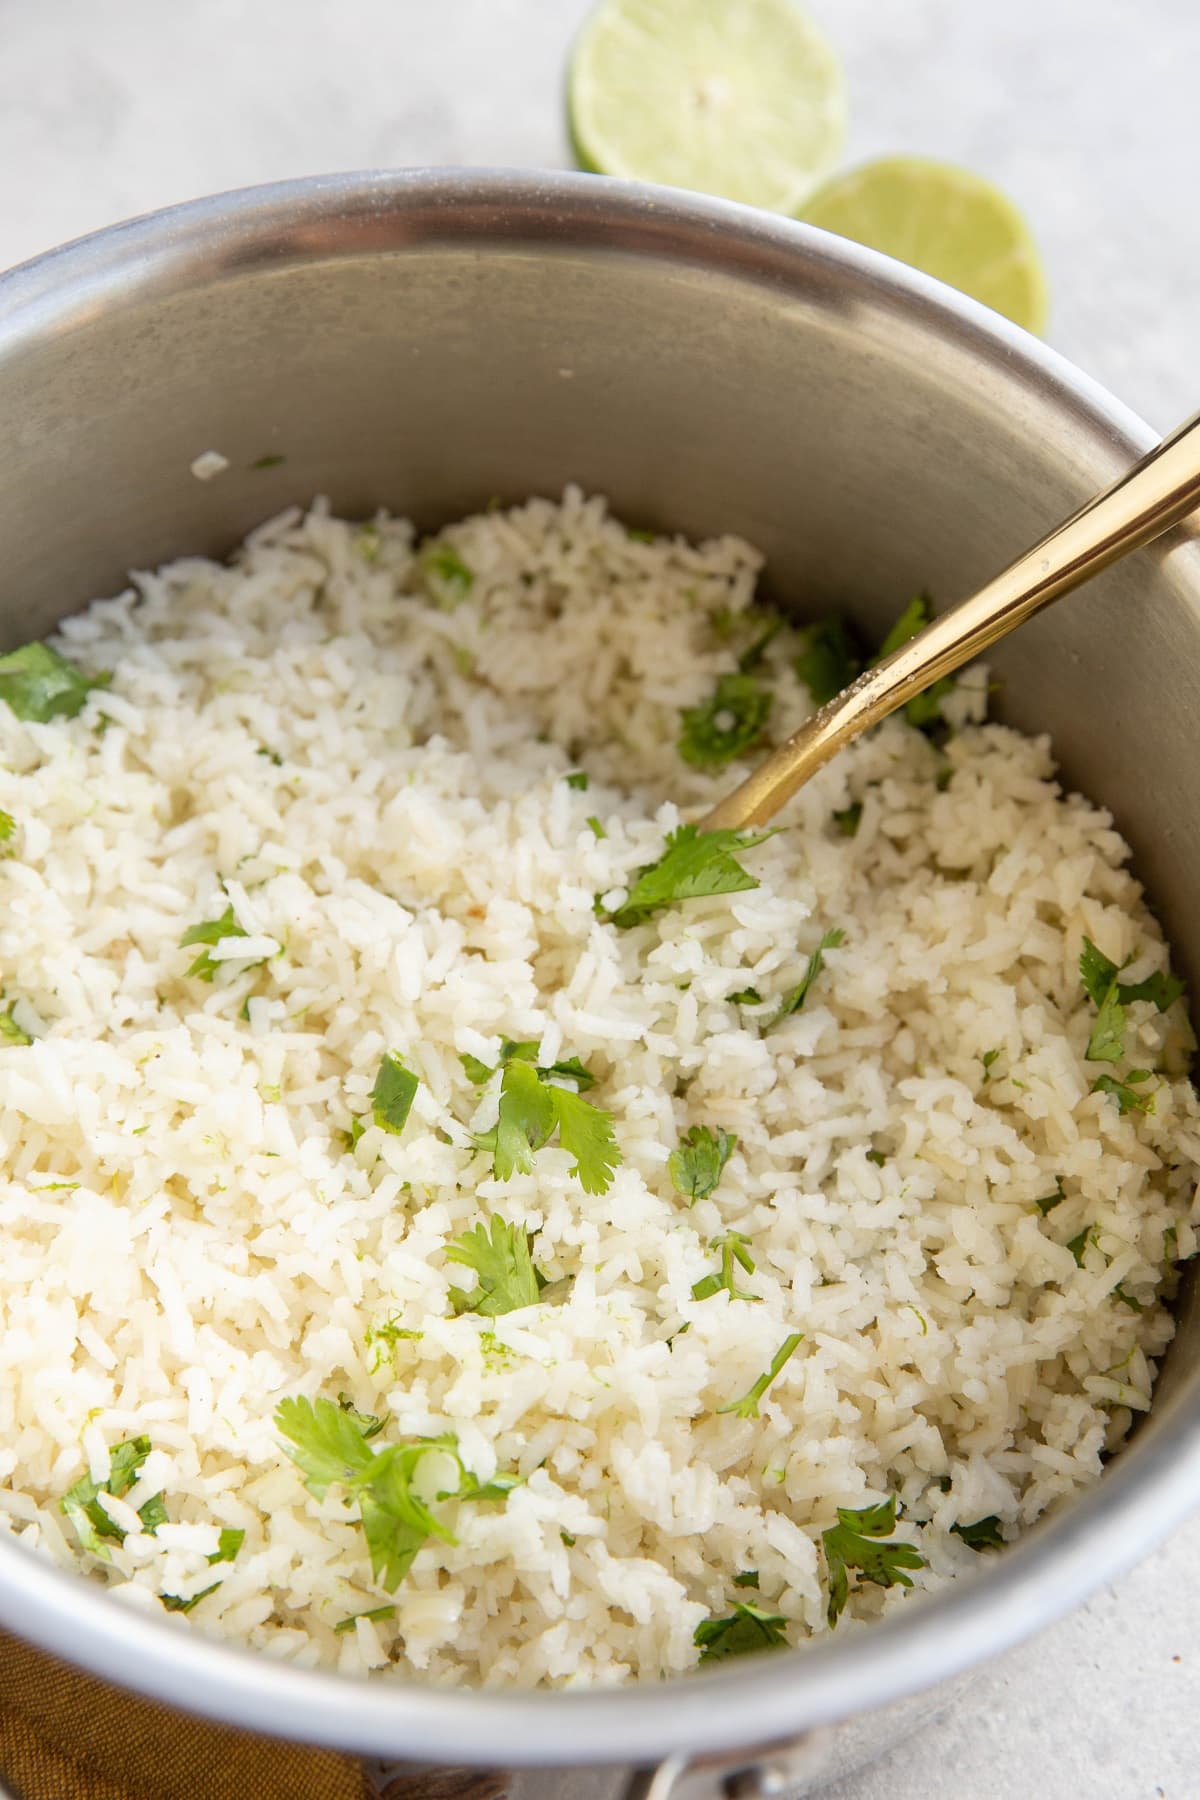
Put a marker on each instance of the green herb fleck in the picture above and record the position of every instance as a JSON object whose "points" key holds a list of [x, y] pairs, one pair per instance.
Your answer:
{"points": [[747, 1406], [989, 1057], [393, 1094], [596, 828], [503, 1263], [447, 577], [984, 1534], [637, 536], [694, 865], [1121, 1293], [1078, 1244], [731, 722], [7, 826], [695, 1167], [1124, 1093], [383, 1338], [229, 1542], [743, 1630], [211, 932], [746, 1578], [795, 998], [174, 1603], [752, 656], [10, 1031], [1048, 1202], [569, 1539], [746, 997], [877, 1157], [81, 1503], [853, 1544], [578, 780], [829, 660], [374, 1613], [734, 1252], [370, 1424], [849, 819], [271, 461], [38, 684]]}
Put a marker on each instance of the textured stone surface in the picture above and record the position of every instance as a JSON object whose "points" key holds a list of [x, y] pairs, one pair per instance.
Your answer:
{"points": [[1083, 109]]}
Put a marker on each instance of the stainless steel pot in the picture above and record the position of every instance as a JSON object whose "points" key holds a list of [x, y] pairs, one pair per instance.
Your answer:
{"points": [[428, 341]]}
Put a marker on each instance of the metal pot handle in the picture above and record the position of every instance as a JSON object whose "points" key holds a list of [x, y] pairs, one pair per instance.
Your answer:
{"points": [[760, 1772]]}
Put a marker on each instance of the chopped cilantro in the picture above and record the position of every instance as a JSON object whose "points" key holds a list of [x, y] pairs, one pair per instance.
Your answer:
{"points": [[367, 541], [1078, 1244], [448, 579], [984, 1534], [1125, 1095], [1121, 1293], [174, 1603], [38, 684], [989, 1057], [569, 1539], [330, 1449], [746, 997], [370, 1424], [81, 1502], [271, 461], [747, 1406], [849, 819], [373, 1613], [694, 865], [794, 999], [213, 931], [829, 660], [568, 1068], [532, 1107], [732, 1246], [596, 828], [1160, 990], [1048, 1202], [637, 536], [731, 722], [877, 1157], [695, 1167], [229, 1542], [10, 1031], [507, 1279], [393, 1094], [745, 1629], [853, 1544], [475, 1071], [746, 1578], [925, 708], [578, 780], [753, 655], [7, 826], [1110, 996]]}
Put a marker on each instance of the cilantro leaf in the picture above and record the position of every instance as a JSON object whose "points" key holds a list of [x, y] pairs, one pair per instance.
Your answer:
{"points": [[746, 997], [229, 1542], [984, 1534], [475, 1071], [1161, 990], [393, 1094], [1079, 1243], [10, 1031], [1096, 972], [448, 579], [1125, 1095], [1107, 1040], [578, 780], [852, 1544], [7, 826], [370, 1424], [327, 1444], [1048, 1202], [988, 1058], [173, 1602], [81, 1502], [829, 660], [532, 1108], [745, 1629], [212, 931], [330, 1447], [746, 1578], [753, 655], [595, 827], [586, 1133], [794, 999], [1121, 1293], [695, 1167], [373, 1613], [726, 725], [848, 820], [733, 1248], [694, 865], [507, 1279], [38, 684], [925, 708], [747, 1406]]}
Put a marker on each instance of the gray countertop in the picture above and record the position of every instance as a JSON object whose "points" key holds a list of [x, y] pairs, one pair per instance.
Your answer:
{"points": [[1085, 110]]}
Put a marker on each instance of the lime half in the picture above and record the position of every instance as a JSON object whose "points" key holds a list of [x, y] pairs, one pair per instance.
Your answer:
{"points": [[944, 220], [736, 97]]}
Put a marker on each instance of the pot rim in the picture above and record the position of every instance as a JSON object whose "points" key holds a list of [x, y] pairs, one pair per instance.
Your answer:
{"points": [[1150, 1487]]}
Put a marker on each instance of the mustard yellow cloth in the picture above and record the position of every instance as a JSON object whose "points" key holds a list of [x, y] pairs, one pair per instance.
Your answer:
{"points": [[65, 1735]]}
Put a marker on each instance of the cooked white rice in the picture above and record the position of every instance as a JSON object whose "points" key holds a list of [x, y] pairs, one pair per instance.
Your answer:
{"points": [[376, 784]]}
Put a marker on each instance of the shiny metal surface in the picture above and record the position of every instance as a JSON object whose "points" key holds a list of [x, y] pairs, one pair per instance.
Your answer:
{"points": [[429, 341], [1155, 494]]}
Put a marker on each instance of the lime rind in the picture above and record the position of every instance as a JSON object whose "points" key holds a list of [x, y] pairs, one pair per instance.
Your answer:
{"points": [[741, 98], [944, 220]]}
